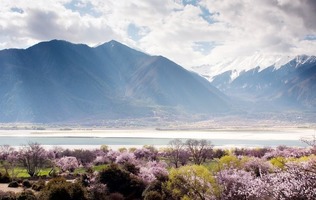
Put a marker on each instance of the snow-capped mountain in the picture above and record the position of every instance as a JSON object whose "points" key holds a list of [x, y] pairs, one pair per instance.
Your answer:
{"points": [[241, 64], [267, 82]]}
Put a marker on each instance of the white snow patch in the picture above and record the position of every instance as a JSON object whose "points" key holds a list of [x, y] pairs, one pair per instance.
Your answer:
{"points": [[245, 63]]}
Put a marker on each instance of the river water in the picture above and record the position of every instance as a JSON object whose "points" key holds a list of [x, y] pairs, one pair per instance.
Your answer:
{"points": [[128, 138]]}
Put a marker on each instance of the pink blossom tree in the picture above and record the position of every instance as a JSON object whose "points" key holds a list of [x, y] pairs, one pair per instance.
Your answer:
{"points": [[152, 170], [112, 155], [125, 157], [239, 184], [67, 163], [6, 155], [258, 166], [297, 181]]}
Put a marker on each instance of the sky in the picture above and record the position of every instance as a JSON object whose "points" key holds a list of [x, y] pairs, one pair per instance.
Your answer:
{"points": [[189, 32]]}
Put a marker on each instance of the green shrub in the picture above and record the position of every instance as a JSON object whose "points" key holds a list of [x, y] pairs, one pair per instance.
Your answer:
{"points": [[13, 184]]}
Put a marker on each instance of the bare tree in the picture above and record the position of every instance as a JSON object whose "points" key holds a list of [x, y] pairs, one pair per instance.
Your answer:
{"points": [[176, 149], [200, 150], [33, 157], [310, 141]]}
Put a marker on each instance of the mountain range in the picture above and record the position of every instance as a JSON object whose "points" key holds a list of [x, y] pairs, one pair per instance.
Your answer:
{"points": [[259, 83], [61, 82], [58, 81]]}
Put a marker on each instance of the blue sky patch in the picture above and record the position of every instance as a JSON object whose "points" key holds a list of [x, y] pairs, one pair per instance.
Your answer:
{"points": [[204, 47], [310, 37], [82, 8], [207, 15], [136, 32], [17, 10], [191, 2]]}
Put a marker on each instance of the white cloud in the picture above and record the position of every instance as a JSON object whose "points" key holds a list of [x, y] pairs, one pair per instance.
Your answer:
{"points": [[261, 26], [193, 33]]}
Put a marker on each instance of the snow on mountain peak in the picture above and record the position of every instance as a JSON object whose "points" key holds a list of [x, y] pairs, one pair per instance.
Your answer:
{"points": [[303, 59], [236, 66]]}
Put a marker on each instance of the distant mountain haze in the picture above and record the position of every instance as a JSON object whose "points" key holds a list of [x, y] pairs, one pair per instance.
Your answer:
{"points": [[58, 81]]}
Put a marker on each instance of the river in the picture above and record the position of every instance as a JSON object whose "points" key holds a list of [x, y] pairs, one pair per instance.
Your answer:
{"points": [[136, 138]]}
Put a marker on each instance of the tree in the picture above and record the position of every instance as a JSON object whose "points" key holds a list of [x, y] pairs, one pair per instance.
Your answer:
{"points": [[192, 182], [147, 152], [125, 157], [239, 184], [296, 181], [258, 166], [176, 152], [68, 163], [199, 149], [33, 158], [112, 155], [84, 156], [7, 158], [226, 162], [152, 170], [311, 141]]}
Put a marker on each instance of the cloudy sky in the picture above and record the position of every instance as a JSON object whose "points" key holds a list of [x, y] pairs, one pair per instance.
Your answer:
{"points": [[190, 32]]}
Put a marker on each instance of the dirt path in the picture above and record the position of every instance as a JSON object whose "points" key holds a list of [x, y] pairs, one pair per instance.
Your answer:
{"points": [[4, 187]]}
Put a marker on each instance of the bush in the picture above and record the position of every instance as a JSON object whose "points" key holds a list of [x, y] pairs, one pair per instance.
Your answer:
{"points": [[121, 181], [116, 196], [26, 195], [7, 195], [155, 186], [98, 191], [26, 183], [55, 181], [13, 184], [77, 191], [153, 195], [5, 178], [39, 185], [58, 192], [131, 168], [60, 189]]}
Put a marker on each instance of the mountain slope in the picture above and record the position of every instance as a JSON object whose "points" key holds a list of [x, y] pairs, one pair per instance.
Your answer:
{"points": [[59, 81]]}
